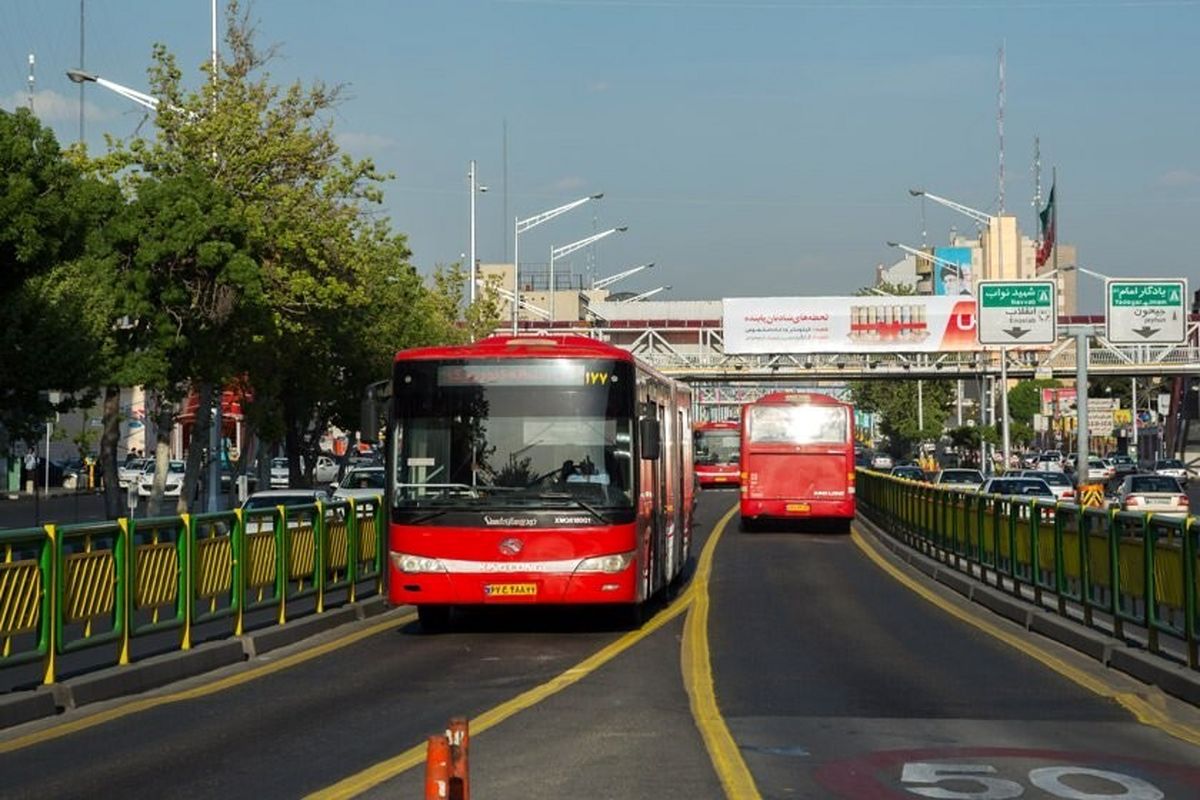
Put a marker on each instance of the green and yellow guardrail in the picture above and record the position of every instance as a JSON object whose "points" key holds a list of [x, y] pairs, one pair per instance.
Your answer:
{"points": [[65, 588], [1135, 568]]}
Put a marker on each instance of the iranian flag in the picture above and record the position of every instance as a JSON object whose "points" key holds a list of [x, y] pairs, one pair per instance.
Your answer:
{"points": [[1048, 220]]}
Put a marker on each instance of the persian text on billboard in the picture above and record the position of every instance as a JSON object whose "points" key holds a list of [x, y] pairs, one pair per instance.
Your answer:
{"points": [[901, 324]]}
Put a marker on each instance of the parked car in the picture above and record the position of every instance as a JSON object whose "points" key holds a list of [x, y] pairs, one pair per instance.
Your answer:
{"points": [[1058, 482], [1173, 468], [279, 473], [129, 472], [908, 471], [1018, 487], [1154, 494], [174, 482], [257, 504], [360, 483], [960, 478]]}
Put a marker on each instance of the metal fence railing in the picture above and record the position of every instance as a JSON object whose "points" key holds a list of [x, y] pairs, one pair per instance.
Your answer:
{"points": [[69, 588], [1108, 568]]}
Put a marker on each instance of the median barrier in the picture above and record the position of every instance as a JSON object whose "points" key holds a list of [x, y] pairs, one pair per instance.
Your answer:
{"points": [[1133, 576], [108, 594]]}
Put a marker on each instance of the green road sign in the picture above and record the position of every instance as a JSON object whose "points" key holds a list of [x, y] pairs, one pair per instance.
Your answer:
{"points": [[1146, 311], [1016, 313]]}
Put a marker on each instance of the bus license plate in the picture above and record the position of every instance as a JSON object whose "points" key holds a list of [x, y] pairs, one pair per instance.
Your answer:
{"points": [[800, 508], [510, 590], [719, 479]]}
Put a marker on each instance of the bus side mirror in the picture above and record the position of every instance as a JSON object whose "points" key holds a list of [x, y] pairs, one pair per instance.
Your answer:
{"points": [[649, 436]]}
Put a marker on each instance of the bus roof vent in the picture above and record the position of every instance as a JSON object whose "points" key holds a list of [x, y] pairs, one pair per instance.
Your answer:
{"points": [[540, 341]]}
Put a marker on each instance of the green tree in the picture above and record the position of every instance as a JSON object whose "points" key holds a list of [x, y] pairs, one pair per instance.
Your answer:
{"points": [[48, 211], [896, 403]]}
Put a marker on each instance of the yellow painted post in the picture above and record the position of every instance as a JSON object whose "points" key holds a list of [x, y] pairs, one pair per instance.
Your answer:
{"points": [[185, 586], [237, 546], [283, 558], [319, 546], [124, 616], [50, 607], [352, 548]]}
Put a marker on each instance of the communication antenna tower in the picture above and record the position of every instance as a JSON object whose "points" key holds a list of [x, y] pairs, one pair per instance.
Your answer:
{"points": [[31, 82], [1000, 125]]}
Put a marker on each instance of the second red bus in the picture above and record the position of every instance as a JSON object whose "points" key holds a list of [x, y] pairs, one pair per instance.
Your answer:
{"points": [[797, 459]]}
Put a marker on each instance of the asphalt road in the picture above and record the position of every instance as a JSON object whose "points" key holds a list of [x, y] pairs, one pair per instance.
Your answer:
{"points": [[835, 680]]}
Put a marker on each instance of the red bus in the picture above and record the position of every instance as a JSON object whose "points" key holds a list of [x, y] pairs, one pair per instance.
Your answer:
{"points": [[716, 446], [535, 469], [797, 458]]}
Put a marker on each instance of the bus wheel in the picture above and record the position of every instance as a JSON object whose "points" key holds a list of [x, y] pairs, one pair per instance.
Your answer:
{"points": [[434, 619], [630, 617], [843, 526], [747, 524]]}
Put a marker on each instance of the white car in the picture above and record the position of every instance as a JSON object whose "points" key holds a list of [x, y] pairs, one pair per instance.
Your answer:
{"points": [[324, 473], [256, 509], [1059, 483], [1018, 487], [1172, 468], [881, 461], [1153, 494], [279, 473], [173, 486], [361, 483], [970, 479], [1099, 471], [129, 472]]}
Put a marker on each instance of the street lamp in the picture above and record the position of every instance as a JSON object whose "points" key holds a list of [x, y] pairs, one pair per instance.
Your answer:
{"points": [[522, 225], [941, 262], [567, 249], [639, 297], [141, 98], [475, 188], [611, 279]]}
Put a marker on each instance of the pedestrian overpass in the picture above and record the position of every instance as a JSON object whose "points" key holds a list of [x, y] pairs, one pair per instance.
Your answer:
{"points": [[694, 350]]}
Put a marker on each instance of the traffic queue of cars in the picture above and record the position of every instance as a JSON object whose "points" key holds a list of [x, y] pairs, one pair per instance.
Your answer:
{"points": [[1160, 490]]}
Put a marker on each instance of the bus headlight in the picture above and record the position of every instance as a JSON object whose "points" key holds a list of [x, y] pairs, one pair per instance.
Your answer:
{"points": [[618, 562], [413, 564]]}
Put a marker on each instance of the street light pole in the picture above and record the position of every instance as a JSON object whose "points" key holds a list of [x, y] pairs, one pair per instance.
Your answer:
{"points": [[567, 249], [471, 175], [522, 225]]}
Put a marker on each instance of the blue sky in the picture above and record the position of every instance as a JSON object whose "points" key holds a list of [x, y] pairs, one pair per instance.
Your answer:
{"points": [[753, 148]]}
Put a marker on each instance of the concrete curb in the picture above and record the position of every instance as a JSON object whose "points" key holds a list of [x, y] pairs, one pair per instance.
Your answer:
{"points": [[18, 707], [268, 639], [150, 673], [1172, 678]]}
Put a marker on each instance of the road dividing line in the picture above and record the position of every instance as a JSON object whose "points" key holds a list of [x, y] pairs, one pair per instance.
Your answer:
{"points": [[698, 681], [1141, 708], [386, 770], [228, 682]]}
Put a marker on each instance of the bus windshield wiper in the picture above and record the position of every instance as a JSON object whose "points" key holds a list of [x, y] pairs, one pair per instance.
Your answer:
{"points": [[586, 506]]}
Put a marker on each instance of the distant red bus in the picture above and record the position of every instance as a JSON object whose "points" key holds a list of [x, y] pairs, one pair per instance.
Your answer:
{"points": [[797, 458], [716, 446], [536, 469]]}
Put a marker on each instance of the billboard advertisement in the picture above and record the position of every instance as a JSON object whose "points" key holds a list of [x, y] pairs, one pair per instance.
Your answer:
{"points": [[946, 279], [866, 324]]}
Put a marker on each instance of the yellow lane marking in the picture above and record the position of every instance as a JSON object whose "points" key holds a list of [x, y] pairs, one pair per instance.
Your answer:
{"points": [[1142, 709], [698, 681], [386, 770], [228, 682]]}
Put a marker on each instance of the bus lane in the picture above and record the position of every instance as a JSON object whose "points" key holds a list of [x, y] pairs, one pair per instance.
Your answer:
{"points": [[839, 679]]}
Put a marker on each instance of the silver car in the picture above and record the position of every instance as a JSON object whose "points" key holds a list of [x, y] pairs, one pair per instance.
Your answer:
{"points": [[1153, 494]]}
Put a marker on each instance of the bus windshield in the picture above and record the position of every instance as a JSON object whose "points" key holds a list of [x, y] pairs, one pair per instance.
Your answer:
{"points": [[799, 424], [513, 433], [717, 446]]}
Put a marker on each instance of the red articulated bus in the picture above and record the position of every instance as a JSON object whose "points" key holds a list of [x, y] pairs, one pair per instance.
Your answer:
{"points": [[797, 458], [716, 446], [535, 469]]}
